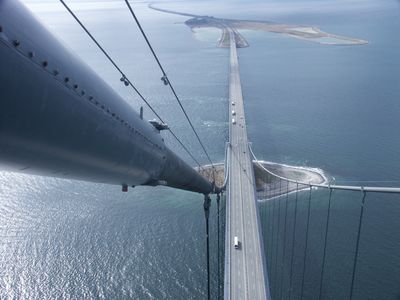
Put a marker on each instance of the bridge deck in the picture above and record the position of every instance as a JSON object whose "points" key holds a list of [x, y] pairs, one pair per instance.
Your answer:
{"points": [[245, 275]]}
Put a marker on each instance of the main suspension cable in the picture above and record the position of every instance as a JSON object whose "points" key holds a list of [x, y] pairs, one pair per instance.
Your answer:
{"points": [[167, 81], [126, 79]]}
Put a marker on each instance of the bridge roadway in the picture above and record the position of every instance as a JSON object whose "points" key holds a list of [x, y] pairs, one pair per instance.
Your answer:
{"points": [[245, 271]]}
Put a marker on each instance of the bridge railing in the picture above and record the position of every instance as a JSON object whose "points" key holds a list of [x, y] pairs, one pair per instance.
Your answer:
{"points": [[226, 166], [327, 241]]}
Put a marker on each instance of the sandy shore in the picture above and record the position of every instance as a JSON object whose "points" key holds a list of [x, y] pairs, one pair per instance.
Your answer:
{"points": [[304, 32], [309, 33], [268, 186]]}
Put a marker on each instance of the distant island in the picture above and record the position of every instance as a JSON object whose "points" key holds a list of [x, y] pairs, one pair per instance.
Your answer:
{"points": [[304, 32]]}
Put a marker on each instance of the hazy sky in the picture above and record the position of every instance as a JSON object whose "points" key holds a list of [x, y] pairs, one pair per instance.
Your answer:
{"points": [[272, 6]]}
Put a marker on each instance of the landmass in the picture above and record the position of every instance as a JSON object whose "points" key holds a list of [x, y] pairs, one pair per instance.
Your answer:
{"points": [[267, 185], [304, 32]]}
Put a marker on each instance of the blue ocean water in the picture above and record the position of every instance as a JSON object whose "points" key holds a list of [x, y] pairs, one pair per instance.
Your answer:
{"points": [[331, 107], [335, 108]]}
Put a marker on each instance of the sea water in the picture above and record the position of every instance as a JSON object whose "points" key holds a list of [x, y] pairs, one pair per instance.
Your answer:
{"points": [[331, 107]]}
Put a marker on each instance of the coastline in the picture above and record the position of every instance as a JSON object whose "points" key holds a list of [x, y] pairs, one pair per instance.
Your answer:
{"points": [[268, 186], [304, 32]]}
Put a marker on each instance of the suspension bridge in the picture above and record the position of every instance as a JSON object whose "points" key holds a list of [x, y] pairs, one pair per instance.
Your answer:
{"points": [[108, 142], [245, 273]]}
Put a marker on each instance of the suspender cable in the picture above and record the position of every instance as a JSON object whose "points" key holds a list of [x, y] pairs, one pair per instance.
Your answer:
{"points": [[269, 233], [109, 58], [207, 204], [325, 242], [277, 238], [167, 81], [185, 148], [218, 272], [126, 79], [272, 238], [293, 241], [145, 36], [357, 245], [266, 224], [284, 239], [306, 247], [266, 235]]}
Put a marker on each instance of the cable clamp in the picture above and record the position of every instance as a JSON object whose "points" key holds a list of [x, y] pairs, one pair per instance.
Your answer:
{"points": [[124, 80], [165, 80]]}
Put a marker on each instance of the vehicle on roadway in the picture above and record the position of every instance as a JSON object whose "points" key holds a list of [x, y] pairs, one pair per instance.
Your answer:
{"points": [[233, 103], [233, 112], [233, 121], [236, 242]]}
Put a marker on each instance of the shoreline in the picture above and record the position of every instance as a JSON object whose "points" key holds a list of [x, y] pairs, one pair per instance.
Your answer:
{"points": [[268, 186], [304, 32]]}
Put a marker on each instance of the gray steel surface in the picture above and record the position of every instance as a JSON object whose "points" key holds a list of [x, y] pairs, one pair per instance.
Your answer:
{"points": [[245, 272], [58, 118]]}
